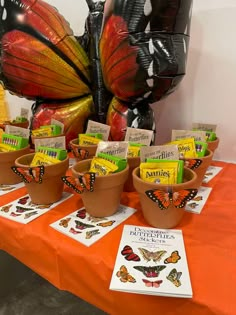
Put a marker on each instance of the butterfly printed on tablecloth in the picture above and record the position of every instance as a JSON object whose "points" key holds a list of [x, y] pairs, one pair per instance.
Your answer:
{"points": [[165, 199], [83, 182], [30, 174]]}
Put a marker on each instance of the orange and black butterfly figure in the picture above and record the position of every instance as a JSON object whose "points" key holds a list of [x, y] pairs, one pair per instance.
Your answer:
{"points": [[165, 199], [154, 284], [31, 174], [129, 255], [83, 183], [150, 271], [192, 163], [149, 255], [133, 53], [124, 275], [173, 258]]}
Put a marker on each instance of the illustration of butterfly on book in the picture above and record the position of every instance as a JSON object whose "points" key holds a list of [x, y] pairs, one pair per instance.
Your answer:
{"points": [[151, 261], [150, 272]]}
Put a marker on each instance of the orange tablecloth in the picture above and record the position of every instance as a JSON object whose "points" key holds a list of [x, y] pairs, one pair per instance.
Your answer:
{"points": [[210, 240]]}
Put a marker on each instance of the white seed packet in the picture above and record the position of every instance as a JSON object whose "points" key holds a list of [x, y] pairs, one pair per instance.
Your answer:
{"points": [[198, 135], [165, 152], [17, 131], [51, 142], [204, 127], [141, 136], [115, 148], [95, 127]]}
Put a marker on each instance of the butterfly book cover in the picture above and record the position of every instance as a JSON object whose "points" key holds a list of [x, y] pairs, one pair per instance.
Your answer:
{"points": [[87, 229], [152, 261]]}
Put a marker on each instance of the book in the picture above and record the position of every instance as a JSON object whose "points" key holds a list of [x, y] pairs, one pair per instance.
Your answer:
{"points": [[87, 229], [151, 261]]}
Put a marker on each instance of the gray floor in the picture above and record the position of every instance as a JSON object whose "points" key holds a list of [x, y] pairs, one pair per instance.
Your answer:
{"points": [[35, 296]]}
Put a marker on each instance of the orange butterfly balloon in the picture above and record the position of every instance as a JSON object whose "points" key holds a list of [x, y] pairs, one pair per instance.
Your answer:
{"points": [[177, 198]]}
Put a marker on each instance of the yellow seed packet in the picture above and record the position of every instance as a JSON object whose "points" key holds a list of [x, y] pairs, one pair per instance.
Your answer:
{"points": [[152, 172], [186, 147], [101, 166], [87, 140], [43, 159]]}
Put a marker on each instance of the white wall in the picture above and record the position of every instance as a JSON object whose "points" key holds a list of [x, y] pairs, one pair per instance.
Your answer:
{"points": [[207, 93]]}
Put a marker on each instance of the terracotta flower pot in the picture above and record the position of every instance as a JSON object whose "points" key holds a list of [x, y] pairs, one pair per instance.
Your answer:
{"points": [[82, 152], [7, 159], [152, 212], [133, 163], [201, 167], [213, 145], [51, 188], [105, 197]]}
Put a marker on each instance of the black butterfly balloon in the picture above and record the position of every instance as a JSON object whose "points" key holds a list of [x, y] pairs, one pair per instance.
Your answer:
{"points": [[132, 53]]}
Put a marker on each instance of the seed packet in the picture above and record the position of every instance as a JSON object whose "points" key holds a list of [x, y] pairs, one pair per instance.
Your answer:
{"points": [[177, 165], [186, 148], [95, 127], [101, 166], [198, 135], [164, 152], [141, 136], [115, 148]]}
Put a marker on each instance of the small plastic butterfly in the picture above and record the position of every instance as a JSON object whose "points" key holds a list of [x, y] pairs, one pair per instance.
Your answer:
{"points": [[174, 277], [150, 271], [124, 275], [177, 198], [81, 226], [127, 251], [106, 224], [173, 258], [192, 163], [80, 184], [154, 284], [148, 255], [30, 174]]}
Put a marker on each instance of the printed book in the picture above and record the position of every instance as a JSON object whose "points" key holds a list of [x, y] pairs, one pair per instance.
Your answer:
{"points": [[151, 261]]}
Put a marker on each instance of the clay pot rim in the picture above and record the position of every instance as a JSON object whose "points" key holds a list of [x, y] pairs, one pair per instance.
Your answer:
{"points": [[88, 161], [32, 154], [16, 151], [150, 185]]}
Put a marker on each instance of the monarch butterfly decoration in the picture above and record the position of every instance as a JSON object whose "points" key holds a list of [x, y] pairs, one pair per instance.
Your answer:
{"points": [[84, 182], [30, 174], [132, 54], [165, 199]]}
